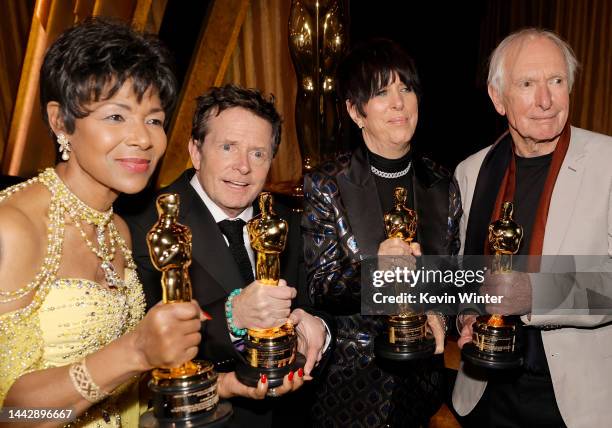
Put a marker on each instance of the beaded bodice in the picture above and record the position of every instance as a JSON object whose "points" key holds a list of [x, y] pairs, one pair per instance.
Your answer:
{"points": [[68, 318], [79, 317]]}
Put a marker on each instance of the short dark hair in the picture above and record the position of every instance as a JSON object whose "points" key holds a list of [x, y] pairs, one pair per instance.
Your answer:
{"points": [[368, 67], [217, 99], [94, 59]]}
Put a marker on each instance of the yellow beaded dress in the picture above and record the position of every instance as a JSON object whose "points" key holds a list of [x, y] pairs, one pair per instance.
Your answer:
{"points": [[69, 318]]}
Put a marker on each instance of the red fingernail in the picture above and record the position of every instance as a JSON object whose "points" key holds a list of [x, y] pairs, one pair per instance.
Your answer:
{"points": [[206, 315], [290, 376], [264, 378], [301, 372]]}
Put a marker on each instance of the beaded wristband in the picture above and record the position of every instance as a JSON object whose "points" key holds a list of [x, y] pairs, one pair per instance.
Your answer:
{"points": [[442, 319], [238, 332], [84, 384]]}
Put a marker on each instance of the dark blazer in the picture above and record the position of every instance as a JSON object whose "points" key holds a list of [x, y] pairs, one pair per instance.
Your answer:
{"points": [[214, 274], [342, 224]]}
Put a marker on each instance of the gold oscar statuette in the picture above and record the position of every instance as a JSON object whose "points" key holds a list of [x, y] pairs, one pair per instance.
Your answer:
{"points": [[406, 337], [494, 341], [271, 351], [185, 395]]}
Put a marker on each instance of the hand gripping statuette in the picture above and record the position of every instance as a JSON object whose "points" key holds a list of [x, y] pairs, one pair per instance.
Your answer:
{"points": [[406, 337], [184, 396], [270, 351], [494, 341]]}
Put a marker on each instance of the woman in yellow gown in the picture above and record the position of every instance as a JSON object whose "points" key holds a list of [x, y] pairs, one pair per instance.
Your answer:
{"points": [[73, 333]]}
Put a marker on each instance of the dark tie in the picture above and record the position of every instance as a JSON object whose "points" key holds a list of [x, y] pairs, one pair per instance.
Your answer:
{"points": [[232, 229]]}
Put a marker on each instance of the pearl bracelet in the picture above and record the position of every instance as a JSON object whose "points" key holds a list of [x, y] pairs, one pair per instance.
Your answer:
{"points": [[442, 319], [84, 384]]}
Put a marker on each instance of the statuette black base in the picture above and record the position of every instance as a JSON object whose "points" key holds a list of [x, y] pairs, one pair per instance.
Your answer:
{"points": [[495, 345], [249, 375], [424, 348], [188, 398], [218, 418], [491, 361], [405, 338]]}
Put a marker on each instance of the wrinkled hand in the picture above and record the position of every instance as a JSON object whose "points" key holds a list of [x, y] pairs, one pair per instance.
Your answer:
{"points": [[404, 254], [515, 287], [263, 306], [168, 335], [467, 329], [229, 386], [398, 247], [436, 326], [311, 338]]}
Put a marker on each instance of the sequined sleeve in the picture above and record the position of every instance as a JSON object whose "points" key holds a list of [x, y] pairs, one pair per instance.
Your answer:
{"points": [[333, 276], [21, 345]]}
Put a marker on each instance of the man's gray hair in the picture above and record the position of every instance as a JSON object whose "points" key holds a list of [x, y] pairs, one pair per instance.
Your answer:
{"points": [[496, 67]]}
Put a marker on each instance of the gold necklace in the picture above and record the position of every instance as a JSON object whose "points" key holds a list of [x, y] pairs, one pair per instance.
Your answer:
{"points": [[79, 213], [55, 234]]}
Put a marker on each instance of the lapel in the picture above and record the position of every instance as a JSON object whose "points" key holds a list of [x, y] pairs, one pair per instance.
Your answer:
{"points": [[565, 193], [427, 201], [209, 248], [360, 197]]}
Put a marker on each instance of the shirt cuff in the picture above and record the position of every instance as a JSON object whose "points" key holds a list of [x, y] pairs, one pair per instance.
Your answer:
{"points": [[327, 336], [234, 338]]}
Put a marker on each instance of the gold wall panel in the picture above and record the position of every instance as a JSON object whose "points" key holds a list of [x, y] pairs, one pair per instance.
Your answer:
{"points": [[29, 146], [208, 65]]}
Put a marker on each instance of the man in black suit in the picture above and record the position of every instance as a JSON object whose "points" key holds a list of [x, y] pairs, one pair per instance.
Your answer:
{"points": [[235, 135]]}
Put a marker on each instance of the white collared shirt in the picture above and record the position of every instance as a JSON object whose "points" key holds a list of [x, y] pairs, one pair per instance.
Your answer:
{"points": [[246, 215], [219, 215]]}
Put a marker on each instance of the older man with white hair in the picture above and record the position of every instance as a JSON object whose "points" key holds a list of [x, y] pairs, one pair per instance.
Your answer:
{"points": [[560, 180]]}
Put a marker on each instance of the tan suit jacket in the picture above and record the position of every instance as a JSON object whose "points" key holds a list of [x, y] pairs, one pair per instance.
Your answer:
{"points": [[579, 222]]}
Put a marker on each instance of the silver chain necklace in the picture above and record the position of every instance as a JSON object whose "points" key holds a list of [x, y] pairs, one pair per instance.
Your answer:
{"points": [[384, 174]]}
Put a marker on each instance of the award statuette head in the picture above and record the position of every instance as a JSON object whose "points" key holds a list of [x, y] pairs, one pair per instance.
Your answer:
{"points": [[268, 236], [401, 221], [505, 235], [494, 338], [185, 394], [271, 351], [406, 336]]}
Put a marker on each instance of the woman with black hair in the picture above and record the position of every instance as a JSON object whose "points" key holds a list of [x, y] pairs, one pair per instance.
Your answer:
{"points": [[343, 223]]}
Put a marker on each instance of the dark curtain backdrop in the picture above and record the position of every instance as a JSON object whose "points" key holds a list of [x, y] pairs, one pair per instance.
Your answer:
{"points": [[450, 41], [587, 26]]}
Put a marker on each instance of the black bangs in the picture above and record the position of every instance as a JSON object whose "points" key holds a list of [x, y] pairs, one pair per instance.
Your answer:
{"points": [[93, 60], [369, 67], [382, 78]]}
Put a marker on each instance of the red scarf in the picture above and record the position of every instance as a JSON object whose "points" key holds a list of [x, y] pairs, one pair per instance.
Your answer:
{"points": [[508, 185]]}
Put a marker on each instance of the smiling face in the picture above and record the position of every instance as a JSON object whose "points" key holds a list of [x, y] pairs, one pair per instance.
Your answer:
{"points": [[116, 147], [535, 96], [233, 161], [391, 117]]}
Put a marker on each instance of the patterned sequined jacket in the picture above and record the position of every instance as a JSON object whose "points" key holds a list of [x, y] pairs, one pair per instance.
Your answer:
{"points": [[342, 223]]}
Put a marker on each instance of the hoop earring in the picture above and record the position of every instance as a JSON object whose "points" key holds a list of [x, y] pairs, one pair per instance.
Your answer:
{"points": [[64, 146]]}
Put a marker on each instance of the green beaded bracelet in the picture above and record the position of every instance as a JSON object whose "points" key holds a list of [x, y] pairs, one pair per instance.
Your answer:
{"points": [[238, 332]]}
